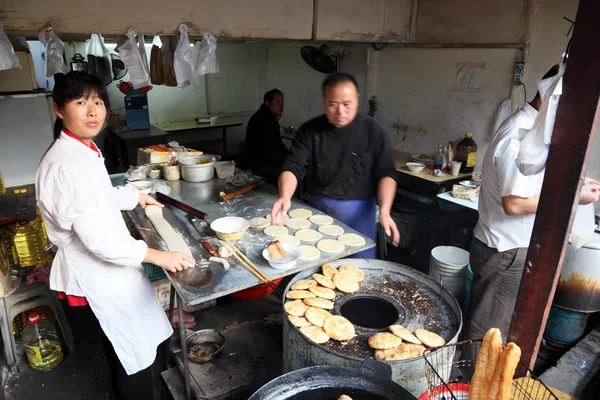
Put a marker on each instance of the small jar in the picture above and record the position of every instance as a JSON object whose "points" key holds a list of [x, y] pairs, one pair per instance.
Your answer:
{"points": [[171, 173]]}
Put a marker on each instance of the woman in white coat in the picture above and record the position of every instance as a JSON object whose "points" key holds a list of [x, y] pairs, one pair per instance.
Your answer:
{"points": [[98, 262]]}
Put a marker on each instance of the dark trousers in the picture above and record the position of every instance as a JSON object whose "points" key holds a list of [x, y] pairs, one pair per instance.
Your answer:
{"points": [[496, 280], [138, 386]]}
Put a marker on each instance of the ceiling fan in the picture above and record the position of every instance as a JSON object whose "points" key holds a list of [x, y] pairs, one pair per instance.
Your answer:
{"points": [[320, 60]]}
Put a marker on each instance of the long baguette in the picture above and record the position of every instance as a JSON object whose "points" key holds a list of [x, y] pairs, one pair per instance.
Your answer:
{"points": [[494, 352], [505, 371], [477, 386]]}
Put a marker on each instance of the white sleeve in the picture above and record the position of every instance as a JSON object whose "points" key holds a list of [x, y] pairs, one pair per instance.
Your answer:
{"points": [[77, 208], [127, 196], [512, 182]]}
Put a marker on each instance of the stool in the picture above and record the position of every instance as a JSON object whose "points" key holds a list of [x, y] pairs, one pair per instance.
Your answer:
{"points": [[23, 299]]}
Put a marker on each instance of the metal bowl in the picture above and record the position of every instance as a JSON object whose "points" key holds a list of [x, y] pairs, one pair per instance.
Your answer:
{"points": [[204, 346]]}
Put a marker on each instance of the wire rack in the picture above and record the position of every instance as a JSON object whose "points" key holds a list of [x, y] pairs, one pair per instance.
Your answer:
{"points": [[449, 369]]}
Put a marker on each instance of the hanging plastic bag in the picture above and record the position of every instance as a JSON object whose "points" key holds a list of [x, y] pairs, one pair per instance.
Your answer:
{"points": [[535, 145], [130, 54], [55, 62], [207, 55], [185, 70], [8, 58], [99, 59]]}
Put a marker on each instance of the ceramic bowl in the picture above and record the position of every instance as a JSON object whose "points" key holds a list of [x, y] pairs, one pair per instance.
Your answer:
{"points": [[415, 167], [286, 262], [230, 228]]}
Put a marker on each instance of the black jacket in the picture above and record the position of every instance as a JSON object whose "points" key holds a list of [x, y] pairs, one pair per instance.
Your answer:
{"points": [[263, 141]]}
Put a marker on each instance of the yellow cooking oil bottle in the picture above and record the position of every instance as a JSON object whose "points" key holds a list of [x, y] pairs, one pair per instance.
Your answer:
{"points": [[40, 222], [41, 343], [30, 245], [2, 185], [8, 252]]}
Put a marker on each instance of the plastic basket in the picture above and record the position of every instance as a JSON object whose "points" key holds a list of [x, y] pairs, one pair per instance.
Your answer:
{"points": [[449, 369], [154, 272]]}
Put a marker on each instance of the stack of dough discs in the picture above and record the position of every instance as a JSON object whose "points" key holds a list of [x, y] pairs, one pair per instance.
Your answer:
{"points": [[275, 231], [259, 223], [297, 223], [331, 230], [352, 240], [345, 282], [289, 239], [319, 302], [309, 253], [308, 235], [352, 270], [317, 316], [304, 284], [322, 292], [429, 339], [299, 321], [330, 246], [300, 213], [296, 308], [384, 340], [339, 328], [404, 334], [321, 219], [328, 271], [323, 281], [299, 294], [315, 334]]}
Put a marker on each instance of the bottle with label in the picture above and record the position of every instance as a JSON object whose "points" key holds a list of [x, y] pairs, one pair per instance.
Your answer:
{"points": [[466, 153], [41, 343], [29, 242], [438, 159]]}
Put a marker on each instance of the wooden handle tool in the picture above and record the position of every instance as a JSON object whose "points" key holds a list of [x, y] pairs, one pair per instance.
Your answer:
{"points": [[209, 248], [181, 206], [240, 191]]}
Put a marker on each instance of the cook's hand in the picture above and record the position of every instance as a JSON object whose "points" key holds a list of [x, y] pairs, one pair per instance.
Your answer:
{"points": [[173, 261], [590, 193], [147, 200], [390, 228], [279, 210]]}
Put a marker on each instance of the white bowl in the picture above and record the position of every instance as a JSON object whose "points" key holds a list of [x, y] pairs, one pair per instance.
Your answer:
{"points": [[230, 228], [287, 262], [144, 187], [415, 167]]}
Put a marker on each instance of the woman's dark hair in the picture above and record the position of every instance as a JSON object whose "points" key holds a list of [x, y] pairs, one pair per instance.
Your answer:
{"points": [[72, 86]]}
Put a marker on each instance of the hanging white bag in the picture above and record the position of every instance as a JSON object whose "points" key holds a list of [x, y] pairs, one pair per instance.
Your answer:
{"points": [[55, 48], [8, 58], [185, 70], [99, 62], [130, 54], [535, 144], [207, 55]]}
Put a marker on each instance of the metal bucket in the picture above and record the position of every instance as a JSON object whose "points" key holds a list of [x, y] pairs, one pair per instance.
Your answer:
{"points": [[402, 296], [448, 267], [565, 326]]}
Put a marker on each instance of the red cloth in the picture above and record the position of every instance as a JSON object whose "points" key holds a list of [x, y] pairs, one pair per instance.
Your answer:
{"points": [[91, 146]]}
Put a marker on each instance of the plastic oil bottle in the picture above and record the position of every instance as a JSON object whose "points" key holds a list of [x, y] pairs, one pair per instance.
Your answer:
{"points": [[29, 243], [2, 185], [41, 343], [466, 153], [8, 252], [40, 222]]}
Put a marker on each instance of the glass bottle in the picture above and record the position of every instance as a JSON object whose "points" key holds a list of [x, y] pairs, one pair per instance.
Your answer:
{"points": [[438, 159], [466, 153]]}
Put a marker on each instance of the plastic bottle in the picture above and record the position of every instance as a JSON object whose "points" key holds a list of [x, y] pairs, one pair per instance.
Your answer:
{"points": [[2, 186], [29, 243], [466, 152], [8, 253], [41, 343], [40, 222], [438, 159]]}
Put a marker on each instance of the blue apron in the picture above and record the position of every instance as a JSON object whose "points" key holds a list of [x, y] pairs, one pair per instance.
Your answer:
{"points": [[357, 214]]}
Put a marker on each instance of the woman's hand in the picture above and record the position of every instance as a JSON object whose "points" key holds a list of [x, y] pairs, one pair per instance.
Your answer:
{"points": [[169, 260], [147, 200]]}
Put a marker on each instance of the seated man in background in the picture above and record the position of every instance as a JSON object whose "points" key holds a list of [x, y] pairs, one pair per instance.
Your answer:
{"points": [[265, 151]]}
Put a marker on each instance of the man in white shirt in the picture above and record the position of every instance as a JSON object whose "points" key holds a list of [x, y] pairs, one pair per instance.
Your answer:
{"points": [[507, 205]]}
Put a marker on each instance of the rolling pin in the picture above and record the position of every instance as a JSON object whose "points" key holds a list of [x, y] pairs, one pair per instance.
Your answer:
{"points": [[209, 248], [181, 206], [240, 191]]}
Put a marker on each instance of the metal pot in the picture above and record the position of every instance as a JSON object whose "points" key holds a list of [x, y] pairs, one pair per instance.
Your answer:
{"points": [[371, 381]]}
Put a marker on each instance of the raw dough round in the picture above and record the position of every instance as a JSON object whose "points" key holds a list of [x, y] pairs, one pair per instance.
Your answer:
{"points": [[308, 235], [339, 328], [328, 271], [297, 223], [299, 321], [319, 303], [300, 213], [345, 282], [429, 339], [296, 308], [315, 334], [384, 340], [259, 223], [304, 284], [317, 316], [289, 239], [309, 253], [322, 292], [404, 334], [323, 281], [352, 239], [299, 294], [275, 231], [321, 219], [330, 246], [352, 270], [331, 230]]}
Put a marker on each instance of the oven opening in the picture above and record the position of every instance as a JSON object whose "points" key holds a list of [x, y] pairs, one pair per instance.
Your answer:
{"points": [[370, 312]]}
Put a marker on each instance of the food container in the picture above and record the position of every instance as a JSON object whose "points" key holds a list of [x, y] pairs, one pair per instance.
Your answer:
{"points": [[463, 192], [286, 262], [230, 228], [256, 292], [469, 184], [144, 187], [225, 169], [191, 171], [172, 172], [415, 167]]}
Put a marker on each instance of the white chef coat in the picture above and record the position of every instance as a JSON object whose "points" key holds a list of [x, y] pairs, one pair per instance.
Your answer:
{"points": [[97, 258], [500, 178]]}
